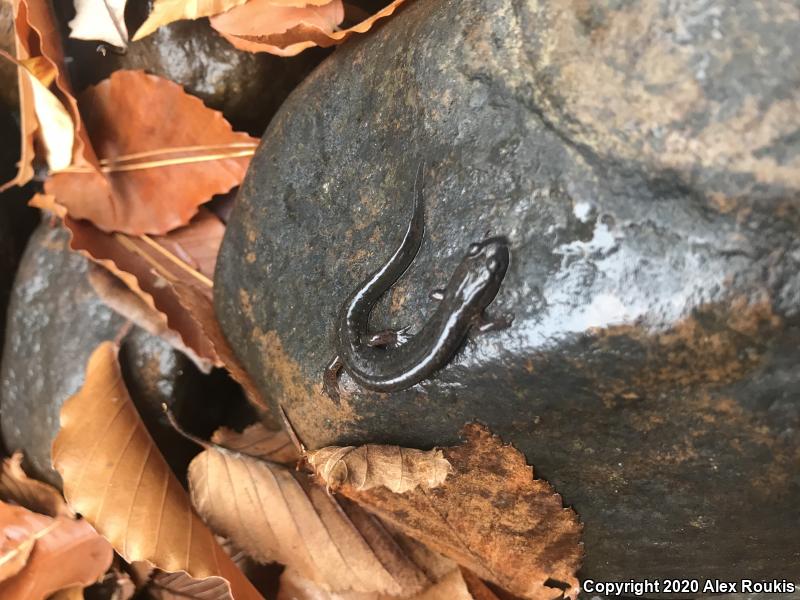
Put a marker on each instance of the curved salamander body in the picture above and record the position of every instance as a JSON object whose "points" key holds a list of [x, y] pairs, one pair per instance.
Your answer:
{"points": [[395, 363]]}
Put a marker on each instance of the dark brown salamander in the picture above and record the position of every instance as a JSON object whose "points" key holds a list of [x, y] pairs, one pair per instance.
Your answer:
{"points": [[389, 361]]}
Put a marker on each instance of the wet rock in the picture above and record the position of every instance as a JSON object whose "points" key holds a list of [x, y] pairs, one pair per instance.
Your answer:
{"points": [[55, 322], [247, 88], [642, 158]]}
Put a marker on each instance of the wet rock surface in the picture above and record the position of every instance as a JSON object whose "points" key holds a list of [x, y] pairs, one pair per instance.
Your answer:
{"points": [[55, 322], [642, 158], [247, 88]]}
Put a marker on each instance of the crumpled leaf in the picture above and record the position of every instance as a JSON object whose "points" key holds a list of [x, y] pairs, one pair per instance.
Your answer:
{"points": [[365, 467], [167, 11], [451, 587], [102, 20], [524, 546], [278, 515], [164, 153], [260, 442], [34, 495], [55, 127], [260, 27], [279, 30], [37, 40], [63, 553], [181, 586], [17, 537], [115, 477], [149, 267]]}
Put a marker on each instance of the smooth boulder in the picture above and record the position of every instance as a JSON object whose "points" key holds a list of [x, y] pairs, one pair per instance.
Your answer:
{"points": [[642, 160]]}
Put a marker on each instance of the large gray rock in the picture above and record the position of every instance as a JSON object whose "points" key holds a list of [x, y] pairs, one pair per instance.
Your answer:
{"points": [[643, 159]]}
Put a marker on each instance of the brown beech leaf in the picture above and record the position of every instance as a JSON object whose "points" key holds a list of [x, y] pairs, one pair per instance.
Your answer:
{"points": [[531, 546], [167, 11], [163, 154], [37, 37], [259, 26], [182, 586], [116, 478], [365, 467], [275, 514], [201, 309], [61, 552], [34, 495], [150, 265], [451, 587], [258, 441]]}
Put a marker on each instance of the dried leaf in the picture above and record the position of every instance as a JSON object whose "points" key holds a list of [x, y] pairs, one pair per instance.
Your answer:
{"points": [[398, 469], [117, 296], [56, 130], [529, 546], [181, 586], [115, 477], [451, 587], [164, 153], [102, 20], [18, 537], [34, 495], [279, 29], [65, 553], [255, 27], [167, 11], [148, 268], [37, 37], [276, 514], [201, 309], [259, 442], [71, 593]]}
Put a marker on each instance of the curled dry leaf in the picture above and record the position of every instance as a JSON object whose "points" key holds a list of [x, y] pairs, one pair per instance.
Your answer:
{"points": [[167, 11], [182, 586], [365, 467], [530, 547], [102, 20], [260, 442], [116, 478], [278, 515], [37, 38], [164, 153], [257, 27], [61, 553], [34, 495], [451, 587], [150, 267]]}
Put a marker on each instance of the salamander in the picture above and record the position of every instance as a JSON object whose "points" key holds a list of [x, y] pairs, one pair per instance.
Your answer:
{"points": [[392, 360]]}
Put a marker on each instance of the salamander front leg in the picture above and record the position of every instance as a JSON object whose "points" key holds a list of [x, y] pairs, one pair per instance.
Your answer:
{"points": [[390, 338], [330, 380], [483, 324]]}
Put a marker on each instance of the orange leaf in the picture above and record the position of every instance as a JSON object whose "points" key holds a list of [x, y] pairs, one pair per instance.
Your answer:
{"points": [[164, 153], [150, 265], [62, 553], [259, 26], [37, 37], [116, 478]]}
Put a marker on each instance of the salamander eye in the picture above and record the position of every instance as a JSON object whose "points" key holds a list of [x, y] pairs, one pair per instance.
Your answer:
{"points": [[473, 250]]}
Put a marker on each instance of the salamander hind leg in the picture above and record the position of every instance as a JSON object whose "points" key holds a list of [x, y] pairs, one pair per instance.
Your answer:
{"points": [[484, 324], [330, 379]]}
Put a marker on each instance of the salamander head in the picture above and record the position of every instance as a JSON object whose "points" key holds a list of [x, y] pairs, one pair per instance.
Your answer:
{"points": [[478, 277]]}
